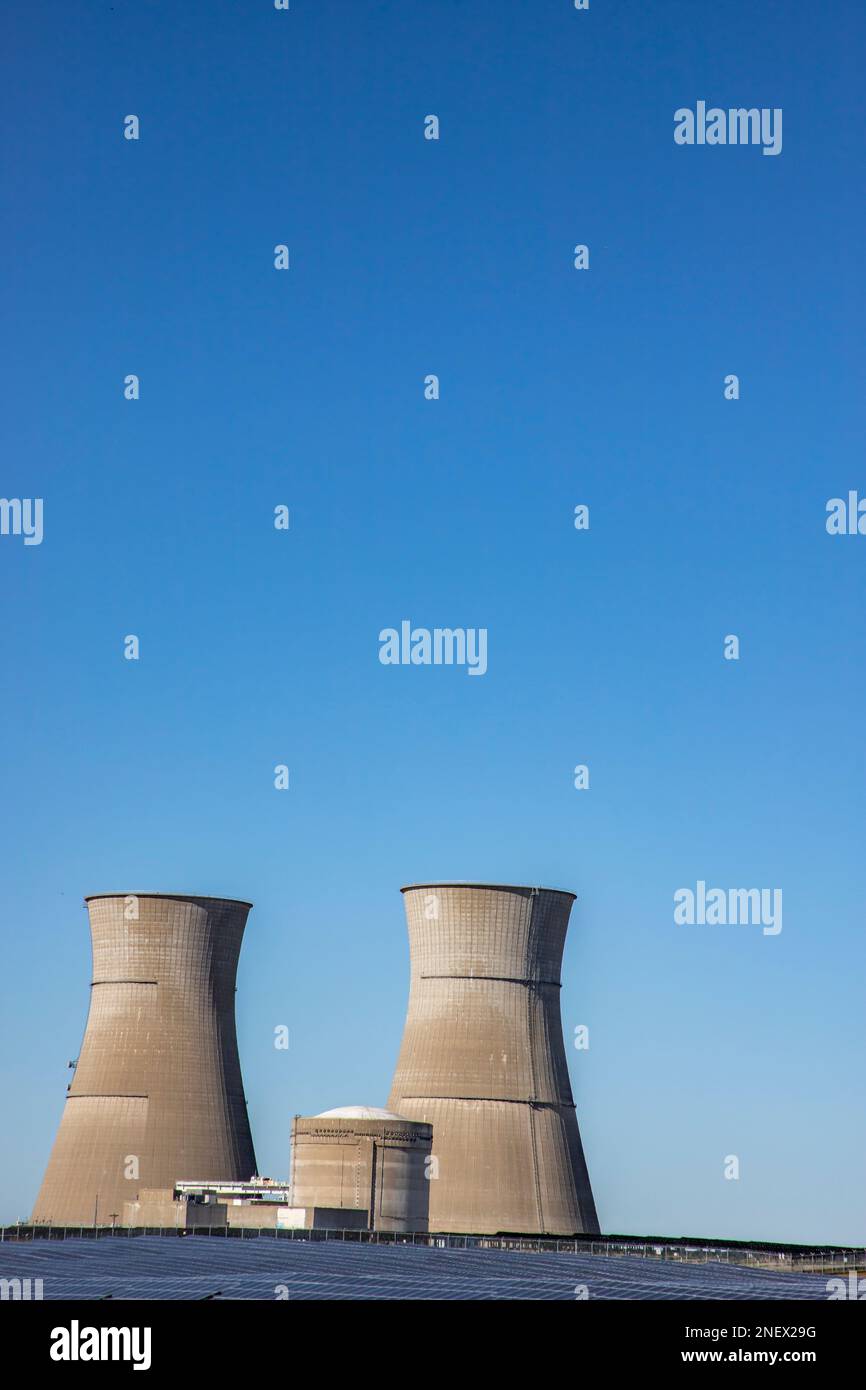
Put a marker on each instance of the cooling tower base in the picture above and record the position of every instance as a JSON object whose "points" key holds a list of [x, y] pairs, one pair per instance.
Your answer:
{"points": [[485, 1150]]}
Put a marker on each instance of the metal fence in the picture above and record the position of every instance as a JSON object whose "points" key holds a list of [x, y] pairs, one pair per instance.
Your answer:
{"points": [[790, 1259]]}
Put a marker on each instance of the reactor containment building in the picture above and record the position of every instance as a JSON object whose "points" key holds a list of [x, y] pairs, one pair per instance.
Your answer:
{"points": [[157, 1092], [361, 1158], [483, 1060]]}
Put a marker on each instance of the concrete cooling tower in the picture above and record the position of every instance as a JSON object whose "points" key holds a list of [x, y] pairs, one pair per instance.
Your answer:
{"points": [[157, 1094], [483, 1060]]}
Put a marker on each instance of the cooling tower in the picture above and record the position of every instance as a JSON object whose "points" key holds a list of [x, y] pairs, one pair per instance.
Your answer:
{"points": [[157, 1094], [483, 1060], [360, 1158]]}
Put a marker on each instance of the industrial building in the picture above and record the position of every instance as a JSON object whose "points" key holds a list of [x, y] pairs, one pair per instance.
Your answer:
{"points": [[157, 1093], [483, 1060], [257, 1205], [354, 1168], [362, 1159]]}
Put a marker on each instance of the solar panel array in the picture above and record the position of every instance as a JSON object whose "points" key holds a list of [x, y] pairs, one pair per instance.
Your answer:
{"points": [[195, 1268]]}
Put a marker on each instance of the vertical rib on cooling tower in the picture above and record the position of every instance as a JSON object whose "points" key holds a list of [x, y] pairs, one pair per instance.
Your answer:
{"points": [[157, 1094], [483, 1059]]}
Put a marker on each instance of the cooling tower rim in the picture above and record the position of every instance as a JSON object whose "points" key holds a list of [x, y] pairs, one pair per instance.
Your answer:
{"points": [[171, 897], [496, 887]]}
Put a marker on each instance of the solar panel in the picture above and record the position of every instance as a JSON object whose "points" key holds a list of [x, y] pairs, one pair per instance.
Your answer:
{"points": [[154, 1267]]}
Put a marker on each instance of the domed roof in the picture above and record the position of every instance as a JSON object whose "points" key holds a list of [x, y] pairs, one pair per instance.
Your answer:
{"points": [[358, 1112]]}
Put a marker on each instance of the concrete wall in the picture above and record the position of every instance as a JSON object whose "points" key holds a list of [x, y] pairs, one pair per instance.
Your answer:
{"points": [[270, 1214], [483, 1060], [158, 1082], [322, 1219], [157, 1207], [250, 1214], [375, 1166]]}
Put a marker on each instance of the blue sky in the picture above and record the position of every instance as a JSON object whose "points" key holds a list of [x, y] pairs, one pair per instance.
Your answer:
{"points": [[558, 387]]}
